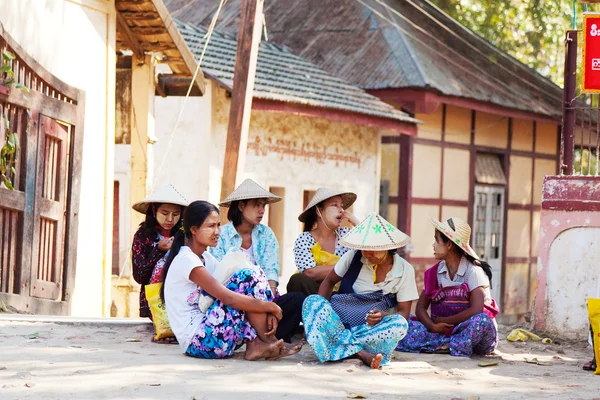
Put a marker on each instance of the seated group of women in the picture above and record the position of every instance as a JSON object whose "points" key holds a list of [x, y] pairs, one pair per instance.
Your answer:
{"points": [[353, 293]]}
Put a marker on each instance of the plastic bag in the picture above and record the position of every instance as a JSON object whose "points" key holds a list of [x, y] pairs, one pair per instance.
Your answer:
{"points": [[233, 261], [594, 313], [159, 312], [522, 335]]}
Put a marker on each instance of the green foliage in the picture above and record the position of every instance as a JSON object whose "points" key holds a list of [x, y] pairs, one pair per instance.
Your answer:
{"points": [[585, 163], [8, 153], [532, 31]]}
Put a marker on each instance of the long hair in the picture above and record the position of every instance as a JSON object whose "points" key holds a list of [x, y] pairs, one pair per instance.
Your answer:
{"points": [[194, 215], [148, 226], [234, 214], [479, 263], [311, 218]]}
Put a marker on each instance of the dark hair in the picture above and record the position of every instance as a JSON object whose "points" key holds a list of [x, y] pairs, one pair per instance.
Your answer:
{"points": [[485, 266], [234, 214], [148, 226], [311, 218], [194, 215]]}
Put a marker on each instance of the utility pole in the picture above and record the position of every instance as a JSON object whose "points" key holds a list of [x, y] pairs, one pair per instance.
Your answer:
{"points": [[249, 36]]}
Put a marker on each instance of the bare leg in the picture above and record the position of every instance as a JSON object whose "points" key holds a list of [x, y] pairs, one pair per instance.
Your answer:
{"points": [[370, 360], [259, 323]]}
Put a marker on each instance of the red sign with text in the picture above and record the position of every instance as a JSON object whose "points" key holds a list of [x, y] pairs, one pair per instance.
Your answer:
{"points": [[591, 53]]}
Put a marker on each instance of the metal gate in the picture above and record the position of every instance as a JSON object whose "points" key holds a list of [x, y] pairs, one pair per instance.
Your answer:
{"points": [[38, 219]]}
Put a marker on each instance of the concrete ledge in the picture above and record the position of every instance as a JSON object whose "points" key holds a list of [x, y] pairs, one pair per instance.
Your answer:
{"points": [[77, 321]]}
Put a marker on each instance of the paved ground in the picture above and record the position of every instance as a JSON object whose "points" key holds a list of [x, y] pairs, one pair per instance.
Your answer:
{"points": [[92, 360]]}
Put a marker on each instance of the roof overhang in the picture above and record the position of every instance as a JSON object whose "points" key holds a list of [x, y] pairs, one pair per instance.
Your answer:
{"points": [[401, 127], [426, 101], [146, 26]]}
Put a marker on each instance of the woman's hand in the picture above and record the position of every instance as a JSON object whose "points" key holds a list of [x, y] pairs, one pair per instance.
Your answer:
{"points": [[375, 316], [274, 309], [440, 327], [350, 217], [165, 244], [272, 324]]}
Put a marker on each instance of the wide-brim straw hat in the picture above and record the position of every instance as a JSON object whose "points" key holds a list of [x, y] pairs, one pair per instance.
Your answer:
{"points": [[322, 194], [166, 194], [374, 233], [249, 190], [458, 231]]}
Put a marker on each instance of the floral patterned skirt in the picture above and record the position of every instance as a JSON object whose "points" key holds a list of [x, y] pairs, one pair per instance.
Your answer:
{"points": [[224, 329], [331, 341], [477, 335]]}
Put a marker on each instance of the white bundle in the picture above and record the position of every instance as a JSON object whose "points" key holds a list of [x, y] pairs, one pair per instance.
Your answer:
{"points": [[234, 260]]}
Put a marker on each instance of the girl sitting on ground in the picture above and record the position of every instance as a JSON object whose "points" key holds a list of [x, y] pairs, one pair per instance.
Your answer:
{"points": [[457, 289], [244, 231], [242, 312], [318, 249], [377, 287], [153, 240]]}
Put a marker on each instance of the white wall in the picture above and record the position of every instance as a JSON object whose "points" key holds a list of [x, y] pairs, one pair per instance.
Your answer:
{"points": [[573, 276], [75, 40]]}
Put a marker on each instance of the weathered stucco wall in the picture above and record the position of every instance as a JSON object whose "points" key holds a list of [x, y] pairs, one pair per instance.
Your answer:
{"points": [[75, 40], [569, 256]]}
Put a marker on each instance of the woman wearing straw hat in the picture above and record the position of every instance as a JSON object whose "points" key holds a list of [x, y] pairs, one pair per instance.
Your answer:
{"points": [[368, 315], [318, 249], [153, 240], [457, 289], [244, 231]]}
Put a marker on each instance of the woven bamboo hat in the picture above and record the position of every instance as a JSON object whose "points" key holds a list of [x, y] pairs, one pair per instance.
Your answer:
{"points": [[374, 233], [322, 194], [166, 194], [458, 231], [249, 190]]}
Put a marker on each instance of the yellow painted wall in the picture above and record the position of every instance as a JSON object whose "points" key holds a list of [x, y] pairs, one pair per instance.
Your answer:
{"points": [[520, 180], [455, 212], [545, 138], [390, 159], [392, 216], [456, 169], [542, 168], [522, 135], [426, 171], [517, 241], [491, 130], [458, 124], [432, 125], [421, 230], [535, 233], [515, 289]]}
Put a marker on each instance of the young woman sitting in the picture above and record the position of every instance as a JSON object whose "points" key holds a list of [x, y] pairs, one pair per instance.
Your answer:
{"points": [[368, 316], [242, 313], [317, 249], [153, 240], [244, 231], [457, 289]]}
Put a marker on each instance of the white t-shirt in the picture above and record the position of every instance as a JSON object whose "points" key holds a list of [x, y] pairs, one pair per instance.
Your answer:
{"points": [[181, 294], [399, 280]]}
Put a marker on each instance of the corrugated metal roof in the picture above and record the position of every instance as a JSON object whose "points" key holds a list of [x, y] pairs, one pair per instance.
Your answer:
{"points": [[283, 76], [408, 44]]}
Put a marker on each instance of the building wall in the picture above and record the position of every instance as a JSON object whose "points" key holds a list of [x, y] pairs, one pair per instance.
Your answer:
{"points": [[568, 255], [440, 184], [75, 40]]}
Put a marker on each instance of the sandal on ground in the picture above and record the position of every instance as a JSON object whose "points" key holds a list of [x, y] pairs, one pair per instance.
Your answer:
{"points": [[167, 340], [589, 366]]}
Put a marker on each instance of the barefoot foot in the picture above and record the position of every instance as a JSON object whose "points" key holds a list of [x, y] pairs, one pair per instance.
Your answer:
{"points": [[257, 349], [370, 360], [288, 350]]}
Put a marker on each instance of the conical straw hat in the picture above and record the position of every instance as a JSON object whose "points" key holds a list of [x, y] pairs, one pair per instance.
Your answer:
{"points": [[249, 190], [374, 233], [322, 194], [166, 194], [458, 231]]}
